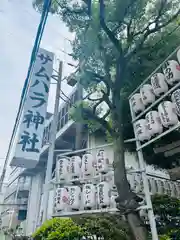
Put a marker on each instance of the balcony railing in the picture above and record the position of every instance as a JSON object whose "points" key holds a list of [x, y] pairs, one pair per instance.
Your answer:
{"points": [[63, 117]]}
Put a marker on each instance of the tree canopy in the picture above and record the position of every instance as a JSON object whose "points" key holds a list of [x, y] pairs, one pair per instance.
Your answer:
{"points": [[118, 44]]}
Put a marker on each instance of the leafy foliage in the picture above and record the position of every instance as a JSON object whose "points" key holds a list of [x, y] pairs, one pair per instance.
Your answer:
{"points": [[112, 227], [108, 227], [60, 229], [167, 210], [143, 32], [105, 226]]}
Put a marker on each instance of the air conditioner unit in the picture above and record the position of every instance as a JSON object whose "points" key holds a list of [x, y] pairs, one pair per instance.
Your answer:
{"points": [[71, 80]]}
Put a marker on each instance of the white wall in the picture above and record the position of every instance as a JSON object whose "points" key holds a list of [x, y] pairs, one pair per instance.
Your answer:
{"points": [[34, 202], [131, 159]]}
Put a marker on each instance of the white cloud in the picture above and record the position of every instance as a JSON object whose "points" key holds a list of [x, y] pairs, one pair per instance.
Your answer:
{"points": [[18, 28]]}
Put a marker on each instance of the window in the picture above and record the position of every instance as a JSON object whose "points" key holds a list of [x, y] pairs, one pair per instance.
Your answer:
{"points": [[66, 118], [62, 112], [62, 122], [59, 119]]}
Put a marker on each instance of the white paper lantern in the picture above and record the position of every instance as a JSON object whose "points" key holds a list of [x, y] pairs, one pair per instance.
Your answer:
{"points": [[167, 113], [136, 103], [171, 71], [74, 197], [159, 84], [147, 94], [62, 169], [175, 97], [61, 199], [102, 161], [154, 124], [75, 166], [113, 201], [87, 167], [89, 196], [103, 194], [141, 130]]}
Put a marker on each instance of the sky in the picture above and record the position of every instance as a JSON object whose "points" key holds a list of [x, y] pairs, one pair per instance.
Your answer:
{"points": [[18, 27]]}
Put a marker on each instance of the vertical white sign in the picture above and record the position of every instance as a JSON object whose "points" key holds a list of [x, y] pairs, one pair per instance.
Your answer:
{"points": [[31, 129]]}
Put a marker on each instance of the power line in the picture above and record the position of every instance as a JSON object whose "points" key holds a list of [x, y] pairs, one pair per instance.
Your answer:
{"points": [[40, 31]]}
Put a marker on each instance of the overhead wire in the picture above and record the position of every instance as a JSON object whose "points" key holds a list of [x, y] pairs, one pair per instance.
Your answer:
{"points": [[40, 31]]}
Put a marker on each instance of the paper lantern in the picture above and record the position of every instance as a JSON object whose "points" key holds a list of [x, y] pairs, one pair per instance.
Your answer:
{"points": [[102, 161], [175, 97], [137, 183], [141, 130], [147, 94], [136, 103], [74, 197], [89, 196], [61, 199], [113, 201], [103, 194], [75, 166], [154, 124], [159, 84], [167, 113], [171, 70], [62, 170], [87, 167]]}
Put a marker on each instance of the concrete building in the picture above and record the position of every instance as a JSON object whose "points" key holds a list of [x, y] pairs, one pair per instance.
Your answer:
{"points": [[26, 186]]}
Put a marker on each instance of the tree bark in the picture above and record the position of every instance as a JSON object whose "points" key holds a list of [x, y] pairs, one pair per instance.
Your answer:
{"points": [[126, 199], [136, 226], [174, 173]]}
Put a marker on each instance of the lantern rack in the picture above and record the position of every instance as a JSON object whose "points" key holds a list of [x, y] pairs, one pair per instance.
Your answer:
{"points": [[159, 136], [160, 66], [140, 146], [134, 119], [85, 212]]}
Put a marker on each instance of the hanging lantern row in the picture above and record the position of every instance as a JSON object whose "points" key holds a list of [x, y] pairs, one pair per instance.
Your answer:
{"points": [[77, 167], [156, 121], [160, 84], [89, 196]]}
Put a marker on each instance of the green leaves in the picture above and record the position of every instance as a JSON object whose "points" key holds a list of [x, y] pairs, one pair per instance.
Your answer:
{"points": [[106, 226], [168, 211], [59, 229], [147, 31]]}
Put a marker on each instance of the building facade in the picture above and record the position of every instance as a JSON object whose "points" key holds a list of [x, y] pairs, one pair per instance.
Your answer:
{"points": [[23, 198]]}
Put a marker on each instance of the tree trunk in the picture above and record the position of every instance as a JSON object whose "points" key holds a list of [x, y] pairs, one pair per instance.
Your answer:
{"points": [[174, 173], [126, 199], [136, 225]]}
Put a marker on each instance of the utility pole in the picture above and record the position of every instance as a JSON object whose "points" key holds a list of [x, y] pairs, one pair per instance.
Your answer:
{"points": [[79, 127], [52, 140]]}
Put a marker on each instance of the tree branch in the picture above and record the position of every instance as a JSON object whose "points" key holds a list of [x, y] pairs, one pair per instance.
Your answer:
{"points": [[147, 32], [105, 125], [71, 11], [110, 34]]}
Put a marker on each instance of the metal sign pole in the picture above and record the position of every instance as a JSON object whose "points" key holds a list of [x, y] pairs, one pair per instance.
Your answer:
{"points": [[142, 169], [52, 144]]}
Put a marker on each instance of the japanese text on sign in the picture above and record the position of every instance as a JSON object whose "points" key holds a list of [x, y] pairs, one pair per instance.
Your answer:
{"points": [[34, 112]]}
